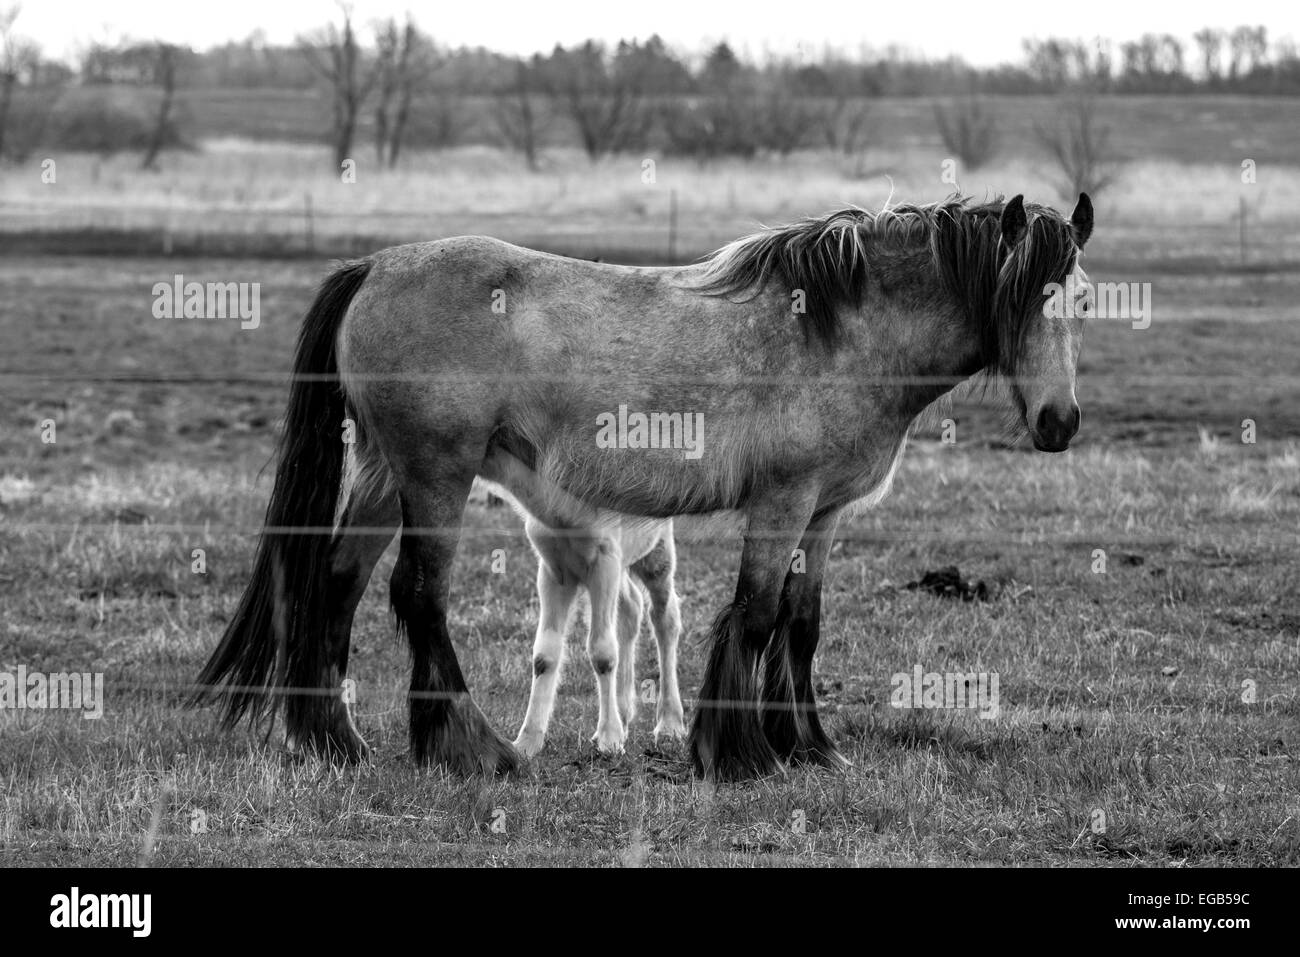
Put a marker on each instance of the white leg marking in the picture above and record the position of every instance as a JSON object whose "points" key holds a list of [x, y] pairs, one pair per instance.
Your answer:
{"points": [[602, 645], [548, 653], [630, 606], [666, 618]]}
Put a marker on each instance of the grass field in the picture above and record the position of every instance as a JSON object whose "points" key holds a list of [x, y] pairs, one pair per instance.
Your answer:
{"points": [[1122, 691], [1177, 198]]}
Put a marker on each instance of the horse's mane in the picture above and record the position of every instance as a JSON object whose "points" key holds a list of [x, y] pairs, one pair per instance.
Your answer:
{"points": [[828, 257]]}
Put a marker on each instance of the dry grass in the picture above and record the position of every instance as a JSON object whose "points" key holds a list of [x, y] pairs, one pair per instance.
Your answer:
{"points": [[235, 175], [1121, 691], [240, 187]]}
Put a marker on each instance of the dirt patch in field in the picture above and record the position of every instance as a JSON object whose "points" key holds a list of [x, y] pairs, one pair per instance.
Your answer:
{"points": [[947, 582]]}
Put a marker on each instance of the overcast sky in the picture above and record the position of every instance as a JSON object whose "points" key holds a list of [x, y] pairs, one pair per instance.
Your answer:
{"points": [[981, 31]]}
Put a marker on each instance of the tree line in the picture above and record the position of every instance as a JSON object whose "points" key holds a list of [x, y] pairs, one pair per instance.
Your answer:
{"points": [[389, 77], [1242, 60]]}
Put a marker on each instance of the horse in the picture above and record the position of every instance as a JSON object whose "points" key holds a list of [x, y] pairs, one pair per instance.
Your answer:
{"points": [[808, 350], [607, 560]]}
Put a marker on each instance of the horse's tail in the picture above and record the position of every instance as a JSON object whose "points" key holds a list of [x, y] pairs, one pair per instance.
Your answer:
{"points": [[277, 641]]}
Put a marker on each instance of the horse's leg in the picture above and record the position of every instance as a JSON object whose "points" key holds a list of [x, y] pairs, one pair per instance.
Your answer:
{"points": [[790, 721], [447, 728], [630, 607], [548, 652], [727, 739], [367, 526], [656, 571], [603, 582]]}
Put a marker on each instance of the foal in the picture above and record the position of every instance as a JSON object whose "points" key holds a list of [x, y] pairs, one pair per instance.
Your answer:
{"points": [[605, 558]]}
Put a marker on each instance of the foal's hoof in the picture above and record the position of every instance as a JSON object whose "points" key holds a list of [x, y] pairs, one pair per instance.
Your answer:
{"points": [[670, 729], [530, 745], [609, 741]]}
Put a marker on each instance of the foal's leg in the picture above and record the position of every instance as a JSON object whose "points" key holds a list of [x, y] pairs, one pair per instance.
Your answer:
{"points": [[603, 582], [790, 718], [367, 526], [656, 571], [727, 739], [548, 652], [630, 607], [447, 728]]}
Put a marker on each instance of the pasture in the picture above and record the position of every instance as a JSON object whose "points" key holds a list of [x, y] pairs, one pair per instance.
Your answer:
{"points": [[1121, 690], [1148, 707], [1178, 196]]}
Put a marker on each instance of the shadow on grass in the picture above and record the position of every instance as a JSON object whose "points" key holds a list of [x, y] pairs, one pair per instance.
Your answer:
{"points": [[928, 731]]}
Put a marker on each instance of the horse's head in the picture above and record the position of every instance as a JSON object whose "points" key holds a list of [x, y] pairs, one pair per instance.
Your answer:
{"points": [[1039, 308]]}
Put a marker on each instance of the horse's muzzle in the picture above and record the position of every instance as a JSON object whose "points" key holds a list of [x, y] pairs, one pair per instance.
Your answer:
{"points": [[1055, 427]]}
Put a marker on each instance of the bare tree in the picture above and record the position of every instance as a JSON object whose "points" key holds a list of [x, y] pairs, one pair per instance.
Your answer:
{"points": [[445, 121], [335, 55], [1257, 47], [968, 131], [1247, 49], [601, 94], [163, 130], [1210, 41], [1048, 61], [1171, 55], [403, 64], [516, 114], [785, 122], [845, 123], [17, 55], [387, 41], [707, 127], [844, 112], [1102, 66], [414, 67], [1080, 147]]}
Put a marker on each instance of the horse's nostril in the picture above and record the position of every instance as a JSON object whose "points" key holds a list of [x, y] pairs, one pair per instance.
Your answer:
{"points": [[1055, 426]]}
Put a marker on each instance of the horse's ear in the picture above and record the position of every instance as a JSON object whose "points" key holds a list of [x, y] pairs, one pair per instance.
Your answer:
{"points": [[1081, 220], [1013, 220]]}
